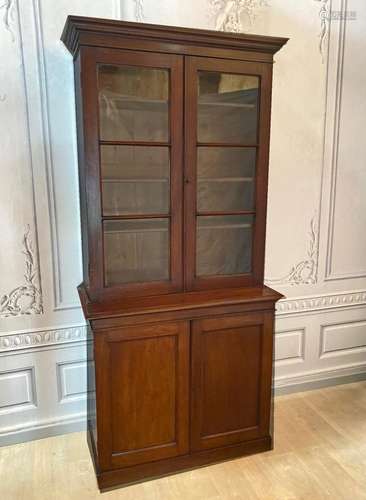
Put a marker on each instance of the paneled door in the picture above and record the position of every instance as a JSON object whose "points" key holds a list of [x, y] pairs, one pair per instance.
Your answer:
{"points": [[231, 379], [226, 152], [134, 156], [142, 383]]}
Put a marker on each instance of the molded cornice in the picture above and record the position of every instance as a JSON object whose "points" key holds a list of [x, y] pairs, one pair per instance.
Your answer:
{"points": [[79, 30]]}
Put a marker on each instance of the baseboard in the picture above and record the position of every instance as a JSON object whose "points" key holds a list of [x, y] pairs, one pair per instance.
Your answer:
{"points": [[319, 379], [43, 429]]}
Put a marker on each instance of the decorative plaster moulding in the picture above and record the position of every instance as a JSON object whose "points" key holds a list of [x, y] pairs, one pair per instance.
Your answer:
{"points": [[16, 341], [8, 17], [309, 304], [304, 272], [229, 14], [27, 298], [139, 10], [324, 15]]}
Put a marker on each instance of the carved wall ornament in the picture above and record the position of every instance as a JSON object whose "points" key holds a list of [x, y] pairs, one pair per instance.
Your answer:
{"points": [[139, 10], [38, 338], [324, 15], [9, 8], [27, 298], [319, 303], [306, 271], [230, 15]]}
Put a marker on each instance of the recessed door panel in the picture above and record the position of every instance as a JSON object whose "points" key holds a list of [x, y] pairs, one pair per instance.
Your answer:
{"points": [[144, 393], [231, 373], [149, 367]]}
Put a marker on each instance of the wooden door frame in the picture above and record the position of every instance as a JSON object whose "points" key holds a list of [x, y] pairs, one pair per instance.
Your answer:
{"points": [[90, 57]]}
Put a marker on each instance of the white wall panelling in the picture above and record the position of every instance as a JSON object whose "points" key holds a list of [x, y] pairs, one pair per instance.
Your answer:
{"points": [[29, 413], [343, 338], [316, 245], [58, 108], [289, 346], [345, 149], [21, 290], [17, 390], [71, 378]]}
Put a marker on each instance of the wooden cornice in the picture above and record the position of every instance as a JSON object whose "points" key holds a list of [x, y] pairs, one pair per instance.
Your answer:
{"points": [[79, 31]]}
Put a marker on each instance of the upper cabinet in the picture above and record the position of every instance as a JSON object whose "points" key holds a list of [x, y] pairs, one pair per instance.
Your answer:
{"points": [[173, 131]]}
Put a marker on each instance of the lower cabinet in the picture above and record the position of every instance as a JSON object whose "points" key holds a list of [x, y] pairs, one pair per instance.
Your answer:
{"points": [[177, 390]]}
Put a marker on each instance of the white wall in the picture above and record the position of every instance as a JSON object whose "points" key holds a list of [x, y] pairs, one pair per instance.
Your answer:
{"points": [[316, 243]]}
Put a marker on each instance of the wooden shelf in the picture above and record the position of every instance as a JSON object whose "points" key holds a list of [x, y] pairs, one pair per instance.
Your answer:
{"points": [[225, 179], [123, 181], [231, 99], [125, 102], [226, 104], [226, 226], [136, 231]]}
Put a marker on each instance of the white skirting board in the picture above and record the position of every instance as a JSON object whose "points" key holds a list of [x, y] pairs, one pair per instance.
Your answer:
{"points": [[45, 429], [77, 422], [318, 380]]}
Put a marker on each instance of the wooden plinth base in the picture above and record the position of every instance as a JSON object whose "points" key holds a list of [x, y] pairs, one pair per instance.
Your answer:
{"points": [[130, 475]]}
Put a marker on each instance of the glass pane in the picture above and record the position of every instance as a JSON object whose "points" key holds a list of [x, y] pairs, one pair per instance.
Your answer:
{"points": [[224, 244], [135, 180], [227, 108], [136, 250], [133, 103], [225, 179]]}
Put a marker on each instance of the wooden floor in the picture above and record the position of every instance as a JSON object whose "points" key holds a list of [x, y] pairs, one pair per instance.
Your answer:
{"points": [[320, 453]]}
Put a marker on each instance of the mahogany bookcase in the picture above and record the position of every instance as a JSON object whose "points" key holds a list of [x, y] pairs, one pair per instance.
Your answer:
{"points": [[173, 141]]}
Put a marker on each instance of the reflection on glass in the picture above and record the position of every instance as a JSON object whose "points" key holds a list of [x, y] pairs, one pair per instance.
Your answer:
{"points": [[227, 108], [225, 179], [133, 103], [135, 180], [224, 245], [136, 250]]}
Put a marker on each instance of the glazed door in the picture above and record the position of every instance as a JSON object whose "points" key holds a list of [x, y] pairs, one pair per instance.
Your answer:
{"points": [[134, 161], [227, 110], [142, 377], [231, 379]]}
